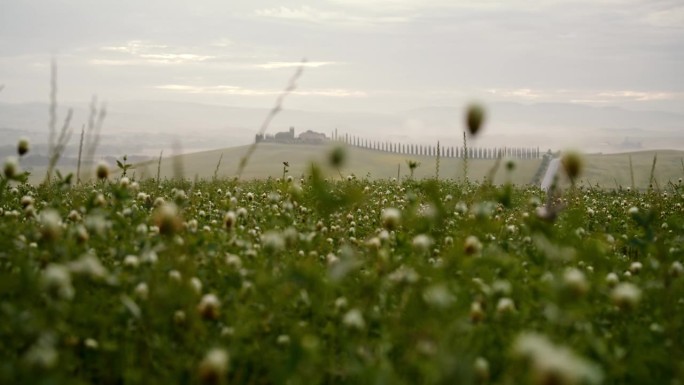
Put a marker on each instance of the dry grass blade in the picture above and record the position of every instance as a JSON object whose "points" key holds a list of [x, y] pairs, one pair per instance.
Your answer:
{"points": [[292, 84], [80, 153], [653, 166]]}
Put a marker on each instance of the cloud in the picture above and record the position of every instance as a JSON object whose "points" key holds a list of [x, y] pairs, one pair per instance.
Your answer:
{"points": [[582, 96], [317, 16], [296, 64], [241, 91]]}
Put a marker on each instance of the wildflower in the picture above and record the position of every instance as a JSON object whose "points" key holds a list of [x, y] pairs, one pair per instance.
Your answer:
{"points": [[472, 245], [56, 281], [476, 312], [91, 344], [505, 305], [214, 366], [142, 291], [196, 285], [42, 354], [166, 219], [124, 182], [175, 276], [676, 269], [391, 217], [131, 261], [283, 339], [88, 265], [422, 243], [23, 146], [209, 306], [481, 367], [51, 224], [575, 280], [551, 364], [612, 279], [353, 319], [229, 220], [626, 295], [635, 267], [26, 200], [272, 241]]}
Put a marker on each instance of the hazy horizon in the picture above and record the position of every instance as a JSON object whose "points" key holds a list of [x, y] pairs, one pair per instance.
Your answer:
{"points": [[379, 68]]}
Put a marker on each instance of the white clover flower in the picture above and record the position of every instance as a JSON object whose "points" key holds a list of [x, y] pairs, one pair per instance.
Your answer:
{"points": [[56, 280], [612, 279], [142, 291], [51, 224], [422, 243], [552, 364], [229, 220], [214, 366], [438, 295], [273, 241], [472, 245], [88, 265], [505, 305], [353, 319], [481, 368], [391, 218], [477, 314], [131, 261], [124, 182], [209, 306], [196, 285], [626, 295], [91, 343], [283, 339], [575, 280], [42, 354], [676, 269], [635, 267]]}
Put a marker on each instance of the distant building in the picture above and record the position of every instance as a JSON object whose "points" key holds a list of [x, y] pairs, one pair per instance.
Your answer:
{"points": [[310, 137]]}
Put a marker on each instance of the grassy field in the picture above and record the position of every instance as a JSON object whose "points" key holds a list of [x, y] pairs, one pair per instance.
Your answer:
{"points": [[266, 162]]}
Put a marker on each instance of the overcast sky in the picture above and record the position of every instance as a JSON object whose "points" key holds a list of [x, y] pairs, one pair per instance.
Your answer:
{"points": [[369, 55]]}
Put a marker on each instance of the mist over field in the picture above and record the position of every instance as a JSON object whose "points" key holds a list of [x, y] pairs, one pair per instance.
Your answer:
{"points": [[603, 77]]}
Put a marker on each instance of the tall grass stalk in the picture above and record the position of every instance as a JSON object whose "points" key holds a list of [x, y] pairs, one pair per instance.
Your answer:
{"points": [[56, 144], [495, 168], [216, 170], [437, 162], [159, 166], [92, 136], [80, 153], [291, 86], [653, 166], [465, 158], [631, 172]]}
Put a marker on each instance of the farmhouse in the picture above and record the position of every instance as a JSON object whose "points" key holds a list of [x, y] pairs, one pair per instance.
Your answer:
{"points": [[309, 136]]}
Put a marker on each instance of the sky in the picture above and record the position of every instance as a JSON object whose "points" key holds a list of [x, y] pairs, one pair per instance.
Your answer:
{"points": [[361, 55]]}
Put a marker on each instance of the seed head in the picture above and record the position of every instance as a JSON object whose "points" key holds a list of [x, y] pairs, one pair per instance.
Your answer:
{"points": [[11, 168], [337, 156], [572, 164], [102, 170], [23, 146], [475, 116]]}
